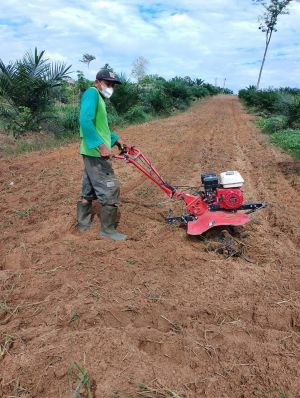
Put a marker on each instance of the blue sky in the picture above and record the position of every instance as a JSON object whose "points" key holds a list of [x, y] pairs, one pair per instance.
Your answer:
{"points": [[212, 40]]}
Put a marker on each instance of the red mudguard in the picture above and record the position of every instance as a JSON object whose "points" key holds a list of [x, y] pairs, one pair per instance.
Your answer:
{"points": [[211, 219]]}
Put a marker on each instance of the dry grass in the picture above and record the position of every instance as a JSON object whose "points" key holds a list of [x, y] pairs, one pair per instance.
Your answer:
{"points": [[152, 390], [6, 345]]}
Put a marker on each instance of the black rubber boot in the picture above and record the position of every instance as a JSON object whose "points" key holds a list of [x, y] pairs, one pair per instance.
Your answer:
{"points": [[108, 223], [84, 216]]}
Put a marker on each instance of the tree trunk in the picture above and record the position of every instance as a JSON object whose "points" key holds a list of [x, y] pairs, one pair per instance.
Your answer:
{"points": [[263, 61]]}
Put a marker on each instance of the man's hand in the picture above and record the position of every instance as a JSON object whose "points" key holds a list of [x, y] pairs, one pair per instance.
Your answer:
{"points": [[119, 144], [104, 152]]}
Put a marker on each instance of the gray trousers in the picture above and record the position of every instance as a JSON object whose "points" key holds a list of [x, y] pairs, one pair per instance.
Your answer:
{"points": [[99, 181]]}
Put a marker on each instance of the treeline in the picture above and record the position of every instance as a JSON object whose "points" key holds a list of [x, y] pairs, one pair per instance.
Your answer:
{"points": [[153, 96], [36, 94], [279, 111]]}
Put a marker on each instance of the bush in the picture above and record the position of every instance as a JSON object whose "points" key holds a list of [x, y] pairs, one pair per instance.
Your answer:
{"points": [[125, 96], [283, 105], [136, 114], [70, 118], [293, 112], [262, 100], [272, 124], [154, 100], [178, 90], [82, 83], [248, 95], [200, 92], [114, 119], [22, 121], [227, 91], [283, 102]]}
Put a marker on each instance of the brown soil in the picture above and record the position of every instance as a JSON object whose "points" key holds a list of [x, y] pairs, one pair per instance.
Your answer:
{"points": [[160, 315]]}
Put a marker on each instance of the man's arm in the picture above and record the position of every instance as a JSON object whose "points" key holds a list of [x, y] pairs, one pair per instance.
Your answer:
{"points": [[87, 116]]}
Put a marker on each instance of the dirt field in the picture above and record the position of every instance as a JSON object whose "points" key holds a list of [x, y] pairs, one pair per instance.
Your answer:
{"points": [[160, 315]]}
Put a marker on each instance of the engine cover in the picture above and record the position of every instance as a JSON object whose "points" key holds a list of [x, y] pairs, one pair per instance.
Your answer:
{"points": [[229, 199]]}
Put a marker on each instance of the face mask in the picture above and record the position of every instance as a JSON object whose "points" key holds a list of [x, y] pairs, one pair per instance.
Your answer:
{"points": [[107, 91]]}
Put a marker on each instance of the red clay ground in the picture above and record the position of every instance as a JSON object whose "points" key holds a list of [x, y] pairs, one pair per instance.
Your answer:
{"points": [[160, 309]]}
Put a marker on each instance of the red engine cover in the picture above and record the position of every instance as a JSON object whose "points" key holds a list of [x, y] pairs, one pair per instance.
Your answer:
{"points": [[229, 198]]}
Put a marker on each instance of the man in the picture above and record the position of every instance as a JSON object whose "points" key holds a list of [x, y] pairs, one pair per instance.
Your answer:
{"points": [[99, 181]]}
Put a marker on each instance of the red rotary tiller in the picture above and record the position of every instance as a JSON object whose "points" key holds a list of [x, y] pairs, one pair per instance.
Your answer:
{"points": [[218, 202]]}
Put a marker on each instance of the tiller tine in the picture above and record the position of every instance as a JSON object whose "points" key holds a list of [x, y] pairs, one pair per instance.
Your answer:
{"points": [[210, 220]]}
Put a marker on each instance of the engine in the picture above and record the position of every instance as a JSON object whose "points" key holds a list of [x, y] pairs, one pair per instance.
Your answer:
{"points": [[224, 193]]}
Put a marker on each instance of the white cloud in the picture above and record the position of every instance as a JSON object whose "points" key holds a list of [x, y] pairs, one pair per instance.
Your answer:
{"points": [[206, 39]]}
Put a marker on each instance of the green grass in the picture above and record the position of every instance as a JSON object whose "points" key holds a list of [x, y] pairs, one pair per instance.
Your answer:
{"points": [[83, 386], [286, 138], [26, 212], [289, 140]]}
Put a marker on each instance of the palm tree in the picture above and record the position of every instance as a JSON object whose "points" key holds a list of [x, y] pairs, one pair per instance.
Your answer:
{"points": [[29, 85]]}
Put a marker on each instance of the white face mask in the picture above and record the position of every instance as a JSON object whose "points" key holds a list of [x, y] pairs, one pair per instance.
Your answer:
{"points": [[107, 91]]}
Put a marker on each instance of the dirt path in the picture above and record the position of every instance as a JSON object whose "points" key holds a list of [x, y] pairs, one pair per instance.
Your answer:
{"points": [[160, 310]]}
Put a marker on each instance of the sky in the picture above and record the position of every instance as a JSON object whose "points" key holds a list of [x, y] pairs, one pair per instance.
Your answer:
{"points": [[209, 39]]}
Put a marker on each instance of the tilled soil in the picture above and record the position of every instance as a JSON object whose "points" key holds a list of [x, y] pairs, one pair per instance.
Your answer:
{"points": [[162, 314]]}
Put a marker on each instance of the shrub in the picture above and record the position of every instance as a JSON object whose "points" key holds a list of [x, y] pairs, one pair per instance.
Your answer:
{"points": [[125, 96], [227, 91], [293, 112], [266, 100], [154, 100], [272, 124], [136, 114], [114, 119], [22, 121], [282, 103], [70, 118], [248, 95], [200, 92], [178, 89], [82, 83]]}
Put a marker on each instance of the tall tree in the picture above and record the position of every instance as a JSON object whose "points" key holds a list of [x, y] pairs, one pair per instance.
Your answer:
{"points": [[87, 58], [139, 67], [268, 22]]}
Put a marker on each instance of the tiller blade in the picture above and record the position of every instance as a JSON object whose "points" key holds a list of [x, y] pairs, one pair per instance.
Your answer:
{"points": [[210, 220]]}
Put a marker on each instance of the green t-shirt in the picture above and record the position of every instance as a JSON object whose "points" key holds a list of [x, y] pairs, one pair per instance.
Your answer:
{"points": [[94, 129]]}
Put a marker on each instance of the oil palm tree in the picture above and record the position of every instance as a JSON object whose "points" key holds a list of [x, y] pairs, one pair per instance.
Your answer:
{"points": [[29, 85]]}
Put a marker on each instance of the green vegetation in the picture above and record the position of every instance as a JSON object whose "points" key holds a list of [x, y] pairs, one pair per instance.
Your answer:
{"points": [[38, 96], [81, 379], [279, 111], [28, 88], [155, 96], [289, 140]]}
